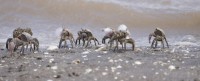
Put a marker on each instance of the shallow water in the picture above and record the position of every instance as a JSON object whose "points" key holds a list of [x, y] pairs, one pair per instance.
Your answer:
{"points": [[178, 18]]}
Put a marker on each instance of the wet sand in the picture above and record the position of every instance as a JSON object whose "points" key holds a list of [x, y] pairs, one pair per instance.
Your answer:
{"points": [[80, 64]]}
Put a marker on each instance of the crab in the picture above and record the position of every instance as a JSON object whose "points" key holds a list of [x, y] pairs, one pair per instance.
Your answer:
{"points": [[89, 37], [81, 36], [17, 33], [64, 36], [122, 36], [158, 35], [118, 36]]}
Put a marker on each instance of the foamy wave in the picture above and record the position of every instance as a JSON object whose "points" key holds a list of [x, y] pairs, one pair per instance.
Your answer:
{"points": [[181, 44], [187, 41], [186, 45], [164, 5], [189, 38]]}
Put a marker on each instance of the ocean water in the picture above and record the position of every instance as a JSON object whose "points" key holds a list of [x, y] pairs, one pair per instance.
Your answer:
{"points": [[178, 18]]}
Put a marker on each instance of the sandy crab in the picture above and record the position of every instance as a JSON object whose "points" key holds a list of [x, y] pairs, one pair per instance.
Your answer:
{"points": [[158, 35], [81, 36], [64, 36], [89, 37]]}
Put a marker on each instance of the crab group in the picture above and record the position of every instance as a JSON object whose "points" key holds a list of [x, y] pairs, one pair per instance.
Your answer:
{"points": [[119, 36], [23, 37]]}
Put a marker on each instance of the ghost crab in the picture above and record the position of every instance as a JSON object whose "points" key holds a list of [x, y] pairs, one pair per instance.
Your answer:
{"points": [[22, 40], [81, 36], [64, 36], [122, 38], [21, 37], [89, 37], [158, 35]]}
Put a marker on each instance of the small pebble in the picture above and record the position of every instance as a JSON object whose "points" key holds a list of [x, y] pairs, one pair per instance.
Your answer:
{"points": [[119, 66], [57, 76], [138, 62], [172, 67], [35, 70], [115, 78], [88, 71], [144, 77], [54, 67], [104, 73]]}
